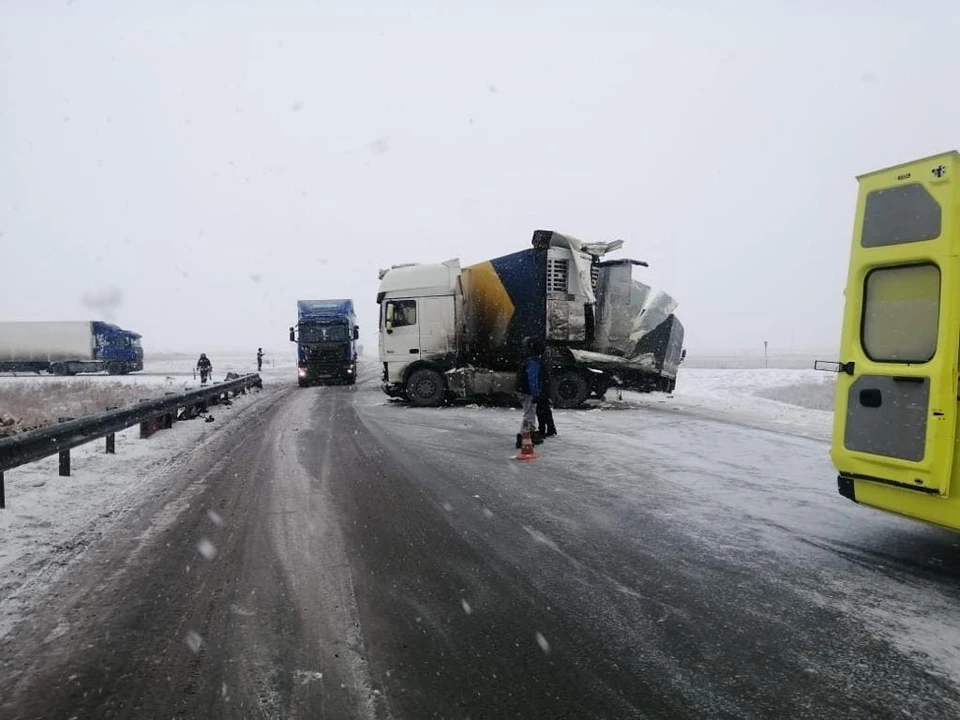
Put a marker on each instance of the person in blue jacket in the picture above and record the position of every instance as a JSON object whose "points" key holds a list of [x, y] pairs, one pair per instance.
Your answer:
{"points": [[529, 387]]}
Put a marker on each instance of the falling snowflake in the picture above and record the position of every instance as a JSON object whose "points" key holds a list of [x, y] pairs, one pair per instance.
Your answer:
{"points": [[543, 643], [466, 607], [215, 517], [194, 641], [207, 549]]}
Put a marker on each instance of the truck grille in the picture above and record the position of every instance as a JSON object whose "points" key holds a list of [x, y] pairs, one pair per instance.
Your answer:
{"points": [[558, 272]]}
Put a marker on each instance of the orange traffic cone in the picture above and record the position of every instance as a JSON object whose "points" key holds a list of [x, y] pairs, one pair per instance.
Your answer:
{"points": [[526, 446]]}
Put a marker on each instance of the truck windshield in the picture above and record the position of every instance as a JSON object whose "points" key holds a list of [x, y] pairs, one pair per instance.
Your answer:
{"points": [[322, 333]]}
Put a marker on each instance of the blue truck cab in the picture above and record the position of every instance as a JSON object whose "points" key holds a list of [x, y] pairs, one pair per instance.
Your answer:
{"points": [[326, 335], [116, 350]]}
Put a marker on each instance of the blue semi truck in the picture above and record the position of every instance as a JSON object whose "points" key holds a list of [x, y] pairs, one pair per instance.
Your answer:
{"points": [[326, 335], [68, 348]]}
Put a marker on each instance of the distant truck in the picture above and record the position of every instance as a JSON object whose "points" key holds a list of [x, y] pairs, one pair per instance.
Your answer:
{"points": [[447, 332], [68, 348], [326, 335]]}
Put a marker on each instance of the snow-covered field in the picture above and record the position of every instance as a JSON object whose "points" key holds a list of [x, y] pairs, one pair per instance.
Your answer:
{"points": [[795, 401], [35, 400]]}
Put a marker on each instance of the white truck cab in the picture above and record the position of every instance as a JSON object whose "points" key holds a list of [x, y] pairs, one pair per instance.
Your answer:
{"points": [[418, 321]]}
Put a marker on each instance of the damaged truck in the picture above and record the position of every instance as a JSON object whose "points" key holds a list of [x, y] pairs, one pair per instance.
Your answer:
{"points": [[448, 332]]}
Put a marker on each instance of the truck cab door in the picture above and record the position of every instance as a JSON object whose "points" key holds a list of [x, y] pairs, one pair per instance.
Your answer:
{"points": [[895, 422], [400, 334]]}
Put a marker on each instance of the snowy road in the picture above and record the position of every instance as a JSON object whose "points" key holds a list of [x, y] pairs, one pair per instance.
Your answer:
{"points": [[333, 555]]}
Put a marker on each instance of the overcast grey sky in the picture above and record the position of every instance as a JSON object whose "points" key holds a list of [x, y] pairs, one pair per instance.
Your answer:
{"points": [[191, 169]]}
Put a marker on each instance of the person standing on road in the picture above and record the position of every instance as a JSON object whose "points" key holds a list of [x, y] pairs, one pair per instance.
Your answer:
{"points": [[528, 389], [259, 359], [205, 367], [544, 413]]}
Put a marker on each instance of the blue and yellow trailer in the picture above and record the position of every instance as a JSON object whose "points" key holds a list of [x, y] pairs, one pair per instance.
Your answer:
{"points": [[895, 423]]}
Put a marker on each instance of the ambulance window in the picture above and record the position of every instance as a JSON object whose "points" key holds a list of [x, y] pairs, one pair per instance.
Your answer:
{"points": [[899, 215], [901, 311]]}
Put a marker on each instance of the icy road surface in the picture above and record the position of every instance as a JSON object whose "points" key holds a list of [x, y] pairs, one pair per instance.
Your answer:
{"points": [[329, 554]]}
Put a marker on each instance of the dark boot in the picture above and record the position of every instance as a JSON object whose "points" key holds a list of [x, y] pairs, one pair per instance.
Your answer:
{"points": [[552, 431], [519, 441], [537, 437]]}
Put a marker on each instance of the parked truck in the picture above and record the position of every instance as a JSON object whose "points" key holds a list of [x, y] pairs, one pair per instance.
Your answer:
{"points": [[68, 348], [326, 335], [452, 332]]}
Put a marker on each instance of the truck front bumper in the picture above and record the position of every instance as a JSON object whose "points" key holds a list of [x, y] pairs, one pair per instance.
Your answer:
{"points": [[394, 390], [309, 373]]}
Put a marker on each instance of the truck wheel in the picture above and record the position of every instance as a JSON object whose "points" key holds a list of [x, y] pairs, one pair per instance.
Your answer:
{"points": [[114, 368], [58, 369], [425, 388], [570, 390]]}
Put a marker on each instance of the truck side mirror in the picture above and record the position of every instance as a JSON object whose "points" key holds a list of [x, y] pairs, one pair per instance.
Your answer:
{"points": [[291, 335], [356, 333]]}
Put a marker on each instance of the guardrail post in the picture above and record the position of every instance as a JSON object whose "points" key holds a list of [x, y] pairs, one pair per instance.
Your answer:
{"points": [[3, 493], [111, 445], [146, 426], [173, 415], [64, 454]]}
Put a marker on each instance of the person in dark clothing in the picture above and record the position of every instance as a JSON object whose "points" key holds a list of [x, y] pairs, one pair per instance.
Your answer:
{"points": [[259, 359], [544, 414], [529, 387], [205, 367]]}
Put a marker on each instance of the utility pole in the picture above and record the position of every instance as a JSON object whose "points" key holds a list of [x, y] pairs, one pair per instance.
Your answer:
{"points": [[765, 363]]}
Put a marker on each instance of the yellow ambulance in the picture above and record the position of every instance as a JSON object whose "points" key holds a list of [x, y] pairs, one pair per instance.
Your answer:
{"points": [[895, 423]]}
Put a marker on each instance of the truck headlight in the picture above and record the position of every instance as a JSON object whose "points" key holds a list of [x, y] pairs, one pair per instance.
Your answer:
{"points": [[302, 372]]}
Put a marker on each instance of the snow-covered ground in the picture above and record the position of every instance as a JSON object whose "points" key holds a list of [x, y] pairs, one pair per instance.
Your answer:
{"points": [[50, 519], [795, 401]]}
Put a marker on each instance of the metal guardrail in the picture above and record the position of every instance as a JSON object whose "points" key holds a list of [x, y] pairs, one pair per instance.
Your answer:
{"points": [[43, 442]]}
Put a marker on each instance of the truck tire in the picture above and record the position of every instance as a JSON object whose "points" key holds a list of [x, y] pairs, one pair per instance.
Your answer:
{"points": [[426, 388], [570, 390], [58, 369], [114, 368]]}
